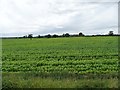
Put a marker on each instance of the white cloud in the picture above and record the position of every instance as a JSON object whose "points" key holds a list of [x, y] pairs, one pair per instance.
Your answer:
{"points": [[20, 17]]}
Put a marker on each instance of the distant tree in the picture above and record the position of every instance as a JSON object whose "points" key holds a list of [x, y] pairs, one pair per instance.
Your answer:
{"points": [[39, 36], [110, 33], [81, 34], [54, 36], [67, 35], [48, 36], [30, 36], [25, 36], [63, 35]]}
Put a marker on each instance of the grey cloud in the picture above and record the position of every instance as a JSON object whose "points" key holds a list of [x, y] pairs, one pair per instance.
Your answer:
{"points": [[43, 16]]}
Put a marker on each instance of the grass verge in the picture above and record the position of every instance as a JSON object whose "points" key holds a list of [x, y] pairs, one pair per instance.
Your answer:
{"points": [[21, 80]]}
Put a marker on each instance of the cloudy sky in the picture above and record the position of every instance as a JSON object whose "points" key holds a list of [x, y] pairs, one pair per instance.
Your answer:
{"points": [[21, 17]]}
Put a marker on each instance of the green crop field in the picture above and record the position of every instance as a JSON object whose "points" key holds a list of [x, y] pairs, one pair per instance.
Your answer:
{"points": [[72, 62]]}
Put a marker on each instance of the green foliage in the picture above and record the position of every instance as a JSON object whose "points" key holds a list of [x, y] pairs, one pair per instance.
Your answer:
{"points": [[60, 62], [80, 55]]}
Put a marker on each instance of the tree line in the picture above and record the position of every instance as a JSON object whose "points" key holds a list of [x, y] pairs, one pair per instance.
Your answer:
{"points": [[66, 35], [63, 35], [54, 36]]}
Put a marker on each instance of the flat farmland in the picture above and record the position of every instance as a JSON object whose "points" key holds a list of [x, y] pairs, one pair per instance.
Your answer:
{"points": [[54, 61]]}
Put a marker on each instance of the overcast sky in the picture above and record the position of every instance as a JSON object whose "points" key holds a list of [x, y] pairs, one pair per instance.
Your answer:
{"points": [[21, 17]]}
